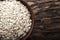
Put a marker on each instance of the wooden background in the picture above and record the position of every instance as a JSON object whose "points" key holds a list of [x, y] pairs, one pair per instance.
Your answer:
{"points": [[47, 19]]}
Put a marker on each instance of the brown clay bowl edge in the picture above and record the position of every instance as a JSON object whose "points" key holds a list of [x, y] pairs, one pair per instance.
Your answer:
{"points": [[32, 18]]}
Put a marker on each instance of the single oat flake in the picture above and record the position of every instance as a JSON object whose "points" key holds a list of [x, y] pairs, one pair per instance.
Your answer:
{"points": [[15, 20]]}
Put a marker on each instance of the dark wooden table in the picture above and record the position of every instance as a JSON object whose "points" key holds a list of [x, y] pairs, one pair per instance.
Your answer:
{"points": [[47, 19]]}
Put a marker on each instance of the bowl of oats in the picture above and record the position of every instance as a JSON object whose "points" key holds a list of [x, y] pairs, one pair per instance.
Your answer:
{"points": [[16, 20]]}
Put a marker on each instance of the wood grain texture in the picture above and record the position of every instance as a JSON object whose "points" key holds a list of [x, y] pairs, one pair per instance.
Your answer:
{"points": [[47, 19]]}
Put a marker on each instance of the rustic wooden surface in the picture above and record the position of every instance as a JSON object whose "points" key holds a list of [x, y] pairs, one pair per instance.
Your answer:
{"points": [[47, 19]]}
